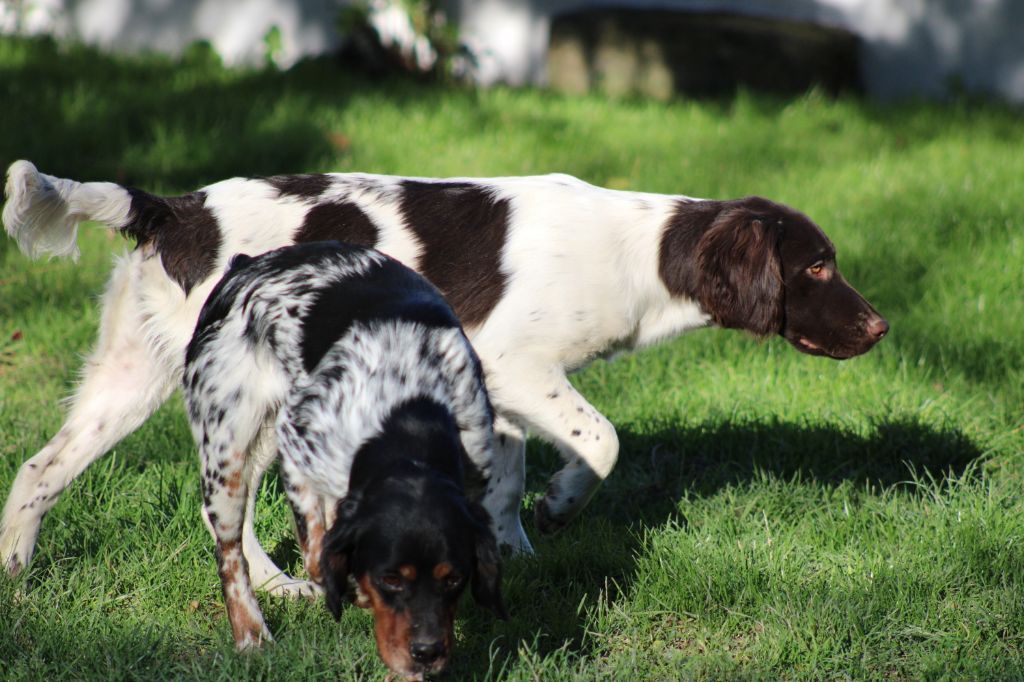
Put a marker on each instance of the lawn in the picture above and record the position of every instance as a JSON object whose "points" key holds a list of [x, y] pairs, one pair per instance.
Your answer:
{"points": [[772, 515]]}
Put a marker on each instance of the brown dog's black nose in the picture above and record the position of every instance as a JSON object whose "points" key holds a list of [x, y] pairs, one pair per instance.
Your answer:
{"points": [[877, 327], [426, 653]]}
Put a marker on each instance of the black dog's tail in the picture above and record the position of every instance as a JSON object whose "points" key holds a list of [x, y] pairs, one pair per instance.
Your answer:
{"points": [[43, 212]]}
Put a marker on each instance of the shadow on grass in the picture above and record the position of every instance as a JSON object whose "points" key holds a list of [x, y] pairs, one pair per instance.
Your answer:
{"points": [[550, 595], [158, 123], [704, 458], [88, 116], [594, 559]]}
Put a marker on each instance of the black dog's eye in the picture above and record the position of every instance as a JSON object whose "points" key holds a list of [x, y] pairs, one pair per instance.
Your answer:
{"points": [[817, 270], [392, 582], [452, 581]]}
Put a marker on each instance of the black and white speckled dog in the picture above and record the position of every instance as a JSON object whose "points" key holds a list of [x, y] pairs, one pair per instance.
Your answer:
{"points": [[377, 400], [545, 273]]}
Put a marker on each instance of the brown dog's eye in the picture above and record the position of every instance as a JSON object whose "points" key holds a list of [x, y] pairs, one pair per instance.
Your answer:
{"points": [[817, 270]]}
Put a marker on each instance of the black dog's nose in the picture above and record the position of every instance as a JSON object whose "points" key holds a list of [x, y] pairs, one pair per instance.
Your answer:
{"points": [[877, 327], [426, 652]]}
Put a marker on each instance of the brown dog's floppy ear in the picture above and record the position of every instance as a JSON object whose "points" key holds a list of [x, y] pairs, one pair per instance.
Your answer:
{"points": [[487, 571], [339, 543], [740, 283]]}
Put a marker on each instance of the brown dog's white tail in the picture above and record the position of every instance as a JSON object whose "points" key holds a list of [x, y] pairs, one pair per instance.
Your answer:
{"points": [[43, 212]]}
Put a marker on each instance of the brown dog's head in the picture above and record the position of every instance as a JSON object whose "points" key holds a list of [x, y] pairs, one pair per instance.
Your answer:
{"points": [[407, 549], [760, 266]]}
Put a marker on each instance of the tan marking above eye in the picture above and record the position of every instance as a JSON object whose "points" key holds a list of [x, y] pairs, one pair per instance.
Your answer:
{"points": [[407, 571], [446, 573]]}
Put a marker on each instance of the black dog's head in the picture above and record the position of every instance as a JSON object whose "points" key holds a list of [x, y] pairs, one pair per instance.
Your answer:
{"points": [[406, 548], [757, 265]]}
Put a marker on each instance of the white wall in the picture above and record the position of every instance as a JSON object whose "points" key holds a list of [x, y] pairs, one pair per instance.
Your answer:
{"points": [[911, 47], [235, 28]]}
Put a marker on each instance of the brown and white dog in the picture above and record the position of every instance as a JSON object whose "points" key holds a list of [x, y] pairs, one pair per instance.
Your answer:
{"points": [[545, 274]]}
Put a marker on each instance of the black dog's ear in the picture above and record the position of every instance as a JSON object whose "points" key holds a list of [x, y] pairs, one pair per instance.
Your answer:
{"points": [[740, 282], [487, 571], [339, 543]]}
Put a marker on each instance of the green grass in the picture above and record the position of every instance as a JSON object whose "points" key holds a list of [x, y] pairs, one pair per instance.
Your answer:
{"points": [[772, 516]]}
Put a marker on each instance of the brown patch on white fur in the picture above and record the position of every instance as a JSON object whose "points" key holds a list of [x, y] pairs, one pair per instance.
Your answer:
{"points": [[247, 625], [233, 482], [312, 549]]}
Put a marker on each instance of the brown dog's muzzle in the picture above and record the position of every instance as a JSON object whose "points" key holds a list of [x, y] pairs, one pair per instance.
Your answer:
{"points": [[833, 320]]}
